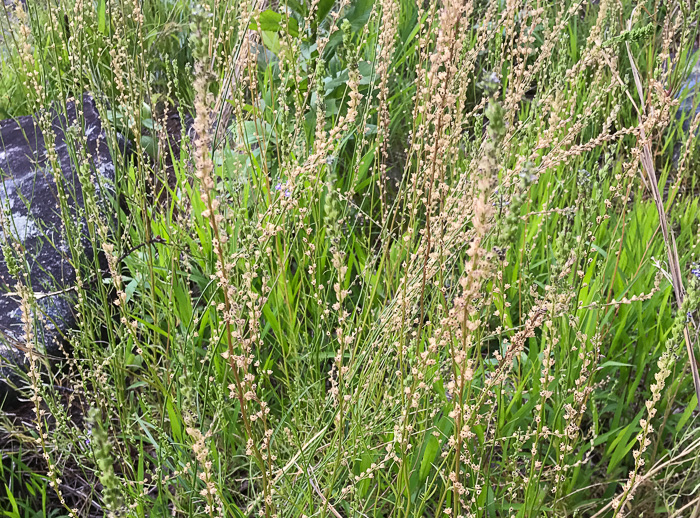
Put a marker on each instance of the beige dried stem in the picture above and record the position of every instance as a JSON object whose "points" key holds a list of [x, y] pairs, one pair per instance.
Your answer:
{"points": [[669, 239], [689, 452]]}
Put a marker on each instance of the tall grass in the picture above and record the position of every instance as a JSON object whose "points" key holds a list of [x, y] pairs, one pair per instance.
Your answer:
{"points": [[408, 259]]}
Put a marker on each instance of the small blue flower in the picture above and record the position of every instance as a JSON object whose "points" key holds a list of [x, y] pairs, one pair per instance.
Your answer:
{"points": [[695, 270], [282, 188]]}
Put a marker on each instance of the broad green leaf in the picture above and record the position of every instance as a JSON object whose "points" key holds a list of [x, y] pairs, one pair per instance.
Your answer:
{"points": [[687, 413], [14, 513], [324, 7], [271, 40], [426, 463], [272, 21], [102, 17]]}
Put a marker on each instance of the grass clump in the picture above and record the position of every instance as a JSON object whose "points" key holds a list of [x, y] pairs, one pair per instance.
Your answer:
{"points": [[369, 258]]}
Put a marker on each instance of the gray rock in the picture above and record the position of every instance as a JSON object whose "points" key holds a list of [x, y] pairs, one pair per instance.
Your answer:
{"points": [[31, 221], [690, 95]]}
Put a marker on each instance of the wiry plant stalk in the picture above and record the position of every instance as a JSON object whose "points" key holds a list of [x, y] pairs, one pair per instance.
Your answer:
{"points": [[238, 359], [669, 239]]}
